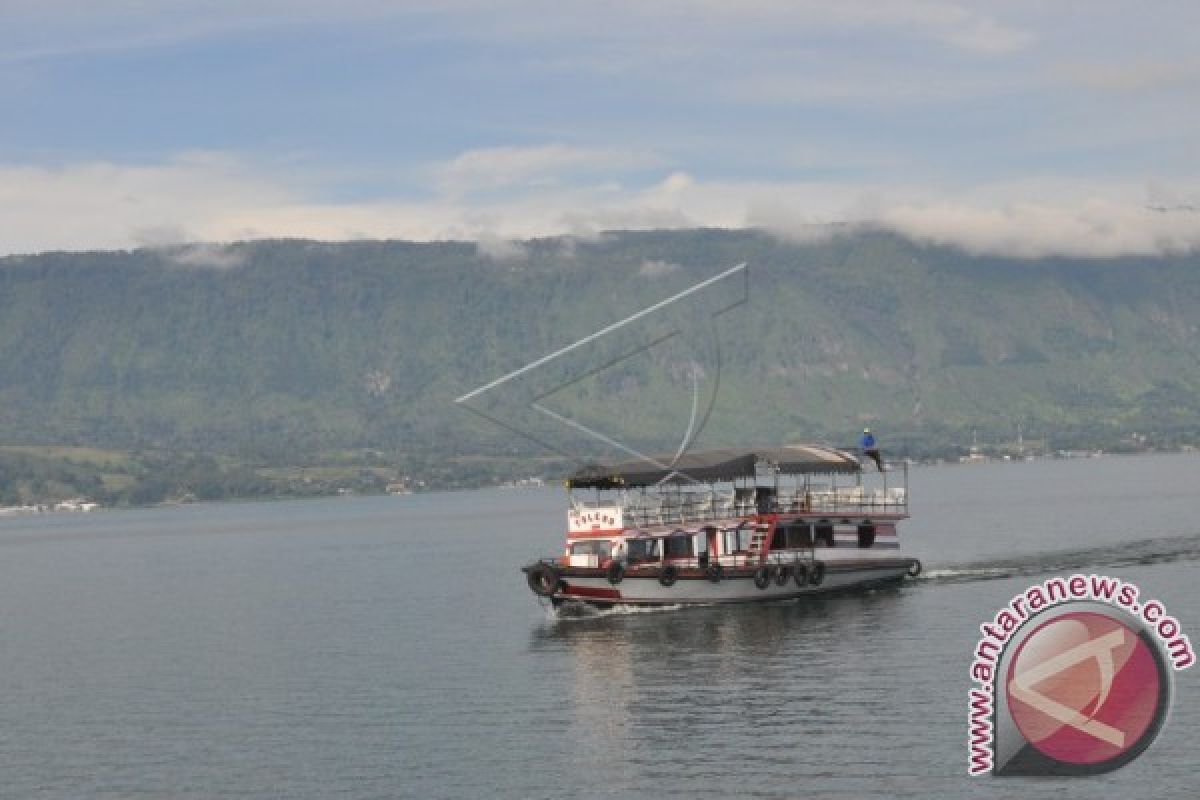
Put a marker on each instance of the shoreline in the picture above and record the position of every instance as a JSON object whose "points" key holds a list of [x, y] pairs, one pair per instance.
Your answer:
{"points": [[89, 507]]}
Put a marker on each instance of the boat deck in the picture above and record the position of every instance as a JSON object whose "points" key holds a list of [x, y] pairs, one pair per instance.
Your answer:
{"points": [[664, 509]]}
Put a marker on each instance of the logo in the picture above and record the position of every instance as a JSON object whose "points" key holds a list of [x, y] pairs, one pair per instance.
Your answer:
{"points": [[1087, 691], [1074, 679]]}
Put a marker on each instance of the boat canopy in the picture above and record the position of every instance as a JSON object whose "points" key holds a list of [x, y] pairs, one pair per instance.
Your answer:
{"points": [[715, 465]]}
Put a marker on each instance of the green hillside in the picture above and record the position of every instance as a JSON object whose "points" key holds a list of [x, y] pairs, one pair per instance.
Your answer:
{"points": [[295, 352]]}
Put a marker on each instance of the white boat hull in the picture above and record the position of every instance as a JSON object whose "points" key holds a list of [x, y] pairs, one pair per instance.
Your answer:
{"points": [[738, 586]]}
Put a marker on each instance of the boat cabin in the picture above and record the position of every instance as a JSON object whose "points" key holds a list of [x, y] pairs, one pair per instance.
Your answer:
{"points": [[731, 508]]}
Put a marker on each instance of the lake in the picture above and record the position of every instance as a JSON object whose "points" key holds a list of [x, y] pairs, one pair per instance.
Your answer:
{"points": [[388, 647]]}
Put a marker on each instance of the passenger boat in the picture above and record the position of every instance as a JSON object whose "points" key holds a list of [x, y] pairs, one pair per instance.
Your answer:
{"points": [[727, 526]]}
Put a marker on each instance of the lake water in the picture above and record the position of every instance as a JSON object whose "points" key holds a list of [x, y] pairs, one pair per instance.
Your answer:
{"points": [[388, 647]]}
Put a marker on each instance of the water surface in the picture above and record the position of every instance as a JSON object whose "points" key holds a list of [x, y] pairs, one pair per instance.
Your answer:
{"points": [[388, 647]]}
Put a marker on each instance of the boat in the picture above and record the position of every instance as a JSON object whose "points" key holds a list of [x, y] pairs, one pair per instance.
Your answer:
{"points": [[727, 526]]}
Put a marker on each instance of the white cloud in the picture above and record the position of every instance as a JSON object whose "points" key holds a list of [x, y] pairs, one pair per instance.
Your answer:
{"points": [[876, 85], [205, 255], [109, 205], [1097, 228], [1025, 219], [491, 168], [212, 197], [658, 269], [984, 35], [955, 24], [497, 248], [129, 23], [1130, 77]]}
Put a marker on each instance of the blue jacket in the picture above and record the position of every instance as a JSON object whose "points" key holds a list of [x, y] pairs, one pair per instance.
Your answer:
{"points": [[868, 441]]}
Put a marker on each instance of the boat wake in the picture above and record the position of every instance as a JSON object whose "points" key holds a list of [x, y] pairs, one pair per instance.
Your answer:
{"points": [[1141, 552], [583, 611]]}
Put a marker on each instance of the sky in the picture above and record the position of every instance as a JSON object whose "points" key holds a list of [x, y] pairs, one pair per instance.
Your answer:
{"points": [[1017, 128]]}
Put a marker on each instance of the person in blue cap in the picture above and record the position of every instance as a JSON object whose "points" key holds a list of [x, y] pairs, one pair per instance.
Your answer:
{"points": [[870, 449]]}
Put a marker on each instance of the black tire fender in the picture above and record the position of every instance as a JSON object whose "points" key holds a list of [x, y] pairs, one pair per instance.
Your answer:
{"points": [[543, 579], [615, 572], [800, 574], [782, 574], [714, 573], [668, 575], [914, 568], [762, 577], [817, 576]]}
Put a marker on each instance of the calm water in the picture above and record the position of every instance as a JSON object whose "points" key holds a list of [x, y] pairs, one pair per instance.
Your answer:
{"points": [[388, 647]]}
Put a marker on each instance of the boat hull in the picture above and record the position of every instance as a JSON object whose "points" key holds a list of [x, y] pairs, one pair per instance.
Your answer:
{"points": [[694, 587]]}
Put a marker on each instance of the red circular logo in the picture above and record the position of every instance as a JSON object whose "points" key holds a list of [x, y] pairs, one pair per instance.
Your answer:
{"points": [[1084, 688]]}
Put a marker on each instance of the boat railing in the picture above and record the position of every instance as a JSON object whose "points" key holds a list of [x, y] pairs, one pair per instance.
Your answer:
{"points": [[669, 510], [787, 558], [851, 500], [660, 510]]}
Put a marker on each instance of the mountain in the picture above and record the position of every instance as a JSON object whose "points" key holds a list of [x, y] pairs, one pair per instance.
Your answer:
{"points": [[287, 352]]}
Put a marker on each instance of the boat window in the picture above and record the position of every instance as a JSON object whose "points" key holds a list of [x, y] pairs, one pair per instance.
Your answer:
{"points": [[866, 535], [779, 538], [793, 536], [743, 501], [745, 533], [824, 534], [596, 547], [678, 547], [735, 539], [642, 550], [799, 537]]}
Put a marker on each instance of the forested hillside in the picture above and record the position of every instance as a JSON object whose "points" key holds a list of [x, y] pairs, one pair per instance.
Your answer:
{"points": [[292, 352]]}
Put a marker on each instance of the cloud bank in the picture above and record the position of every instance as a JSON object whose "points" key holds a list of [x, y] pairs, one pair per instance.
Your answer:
{"points": [[212, 197], [1020, 129]]}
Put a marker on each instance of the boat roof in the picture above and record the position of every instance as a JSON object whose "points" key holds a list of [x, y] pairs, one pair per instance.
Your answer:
{"points": [[715, 465]]}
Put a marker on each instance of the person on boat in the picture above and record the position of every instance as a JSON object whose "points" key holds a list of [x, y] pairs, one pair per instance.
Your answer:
{"points": [[871, 449]]}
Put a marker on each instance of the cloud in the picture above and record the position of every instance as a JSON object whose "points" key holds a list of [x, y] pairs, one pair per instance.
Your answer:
{"points": [[1161, 196], [858, 85], [984, 35], [1126, 78], [497, 248], [204, 255], [216, 198], [160, 236], [955, 24], [1096, 228], [658, 269], [1021, 219], [177, 247], [68, 27], [103, 204], [488, 169]]}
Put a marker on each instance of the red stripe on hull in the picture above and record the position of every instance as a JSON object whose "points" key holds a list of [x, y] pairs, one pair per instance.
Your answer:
{"points": [[587, 591]]}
